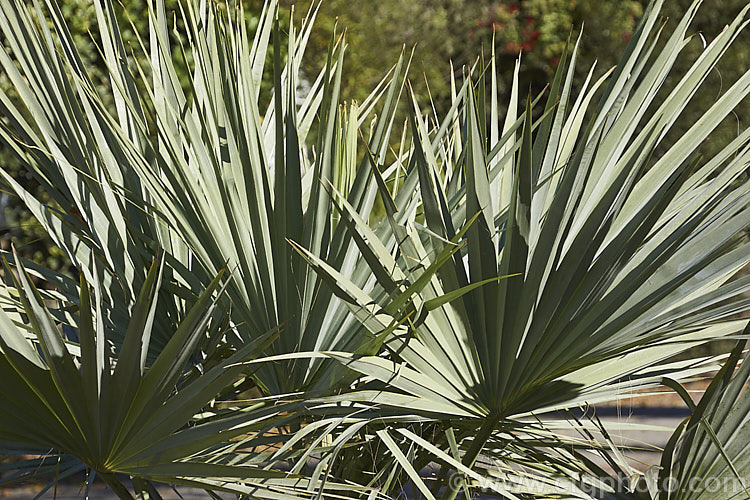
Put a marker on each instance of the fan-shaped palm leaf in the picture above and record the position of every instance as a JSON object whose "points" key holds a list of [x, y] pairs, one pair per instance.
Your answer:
{"points": [[601, 261]]}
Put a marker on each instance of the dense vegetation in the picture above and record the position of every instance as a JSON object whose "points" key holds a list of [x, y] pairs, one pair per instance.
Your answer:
{"points": [[284, 293], [447, 35]]}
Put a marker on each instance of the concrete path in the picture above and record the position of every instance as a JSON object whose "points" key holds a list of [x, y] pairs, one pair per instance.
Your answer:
{"points": [[100, 492]]}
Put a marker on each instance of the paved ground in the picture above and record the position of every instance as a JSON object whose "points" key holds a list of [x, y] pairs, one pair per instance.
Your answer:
{"points": [[98, 492], [651, 440]]}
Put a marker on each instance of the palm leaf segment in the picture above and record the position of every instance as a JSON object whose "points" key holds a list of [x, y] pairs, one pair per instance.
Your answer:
{"points": [[599, 249], [201, 172]]}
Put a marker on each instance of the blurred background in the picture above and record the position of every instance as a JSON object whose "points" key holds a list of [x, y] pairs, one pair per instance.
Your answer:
{"points": [[446, 36]]}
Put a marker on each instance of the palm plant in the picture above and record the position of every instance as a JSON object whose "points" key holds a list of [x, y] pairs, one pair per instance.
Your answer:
{"points": [[707, 454], [559, 259], [204, 175], [75, 405], [586, 262], [116, 414]]}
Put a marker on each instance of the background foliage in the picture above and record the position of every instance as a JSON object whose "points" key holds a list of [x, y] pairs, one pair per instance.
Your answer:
{"points": [[442, 31]]}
